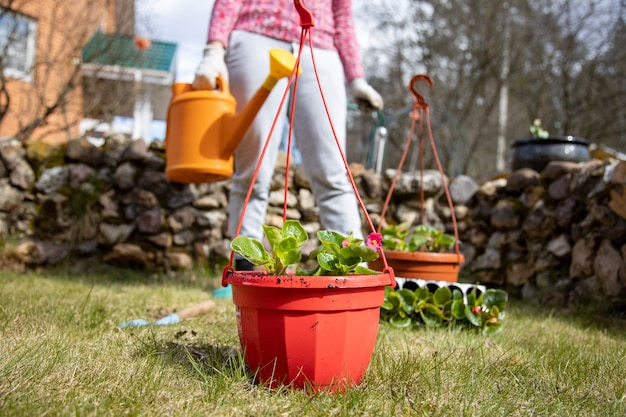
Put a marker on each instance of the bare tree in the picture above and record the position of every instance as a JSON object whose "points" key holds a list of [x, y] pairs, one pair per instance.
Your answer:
{"points": [[46, 98], [564, 66]]}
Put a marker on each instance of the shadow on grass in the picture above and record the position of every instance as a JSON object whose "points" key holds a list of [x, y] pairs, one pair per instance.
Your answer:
{"points": [[207, 359], [212, 363], [606, 317]]}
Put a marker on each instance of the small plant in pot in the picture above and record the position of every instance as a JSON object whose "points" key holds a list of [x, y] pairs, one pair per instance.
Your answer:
{"points": [[337, 255], [537, 131], [310, 329], [426, 238], [538, 150], [421, 251]]}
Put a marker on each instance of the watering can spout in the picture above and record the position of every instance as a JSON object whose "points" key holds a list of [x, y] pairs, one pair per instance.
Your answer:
{"points": [[203, 129]]}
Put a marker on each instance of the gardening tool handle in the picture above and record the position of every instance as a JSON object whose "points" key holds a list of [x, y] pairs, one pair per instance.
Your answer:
{"points": [[196, 310]]}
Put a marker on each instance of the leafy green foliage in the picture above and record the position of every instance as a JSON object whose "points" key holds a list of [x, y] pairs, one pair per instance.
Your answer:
{"points": [[285, 244], [403, 237], [537, 131], [404, 308], [341, 255], [337, 254]]}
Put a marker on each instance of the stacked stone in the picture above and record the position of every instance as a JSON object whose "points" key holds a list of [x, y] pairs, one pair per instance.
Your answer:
{"points": [[561, 232], [113, 201]]}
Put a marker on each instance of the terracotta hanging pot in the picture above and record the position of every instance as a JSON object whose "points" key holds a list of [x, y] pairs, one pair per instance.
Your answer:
{"points": [[308, 332], [429, 266]]}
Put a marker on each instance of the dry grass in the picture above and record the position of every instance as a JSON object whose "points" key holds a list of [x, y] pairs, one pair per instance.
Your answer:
{"points": [[62, 353]]}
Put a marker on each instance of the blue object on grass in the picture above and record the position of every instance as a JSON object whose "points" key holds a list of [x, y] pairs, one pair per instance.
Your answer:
{"points": [[171, 319], [224, 292], [164, 321], [174, 318], [134, 323]]}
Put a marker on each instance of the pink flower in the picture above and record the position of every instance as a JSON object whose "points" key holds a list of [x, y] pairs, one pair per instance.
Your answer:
{"points": [[345, 243], [374, 241]]}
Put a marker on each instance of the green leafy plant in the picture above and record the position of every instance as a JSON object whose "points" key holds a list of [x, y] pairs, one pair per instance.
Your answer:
{"points": [[337, 254], [537, 131], [403, 237], [406, 308]]}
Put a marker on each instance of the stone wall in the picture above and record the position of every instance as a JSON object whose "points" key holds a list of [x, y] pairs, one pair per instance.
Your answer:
{"points": [[563, 230], [561, 233]]}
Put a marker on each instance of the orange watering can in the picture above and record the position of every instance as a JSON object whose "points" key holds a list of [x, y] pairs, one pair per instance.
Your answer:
{"points": [[203, 129]]}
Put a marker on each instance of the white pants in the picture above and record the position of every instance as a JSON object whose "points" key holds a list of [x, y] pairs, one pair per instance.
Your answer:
{"points": [[248, 66]]}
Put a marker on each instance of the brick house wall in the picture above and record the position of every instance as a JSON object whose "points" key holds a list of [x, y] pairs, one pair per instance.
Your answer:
{"points": [[63, 28]]}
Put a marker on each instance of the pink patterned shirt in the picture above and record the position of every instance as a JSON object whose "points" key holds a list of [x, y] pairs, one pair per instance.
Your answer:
{"points": [[334, 25]]}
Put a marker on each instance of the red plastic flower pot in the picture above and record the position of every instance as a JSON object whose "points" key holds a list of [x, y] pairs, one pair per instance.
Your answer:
{"points": [[308, 332], [429, 266]]}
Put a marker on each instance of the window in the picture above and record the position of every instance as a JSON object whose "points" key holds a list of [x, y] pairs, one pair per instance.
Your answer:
{"points": [[17, 44]]}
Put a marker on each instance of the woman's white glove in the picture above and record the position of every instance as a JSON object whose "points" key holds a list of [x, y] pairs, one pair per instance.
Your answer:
{"points": [[210, 67], [365, 96]]}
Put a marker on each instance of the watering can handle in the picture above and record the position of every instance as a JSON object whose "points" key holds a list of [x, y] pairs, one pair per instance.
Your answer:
{"points": [[222, 85]]}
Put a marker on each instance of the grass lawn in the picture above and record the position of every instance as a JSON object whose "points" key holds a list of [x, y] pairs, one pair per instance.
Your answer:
{"points": [[62, 353]]}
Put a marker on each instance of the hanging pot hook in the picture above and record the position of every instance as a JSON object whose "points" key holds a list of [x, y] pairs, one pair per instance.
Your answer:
{"points": [[419, 100], [306, 18]]}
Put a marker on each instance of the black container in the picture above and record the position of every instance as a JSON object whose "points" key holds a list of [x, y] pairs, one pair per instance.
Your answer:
{"points": [[536, 153]]}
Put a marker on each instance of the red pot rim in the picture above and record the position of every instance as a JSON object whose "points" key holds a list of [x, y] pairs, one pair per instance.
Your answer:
{"points": [[261, 279]]}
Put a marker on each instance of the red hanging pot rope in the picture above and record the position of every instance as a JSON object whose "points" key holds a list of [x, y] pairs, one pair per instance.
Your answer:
{"points": [[294, 73], [405, 152], [306, 22], [314, 332], [420, 112]]}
